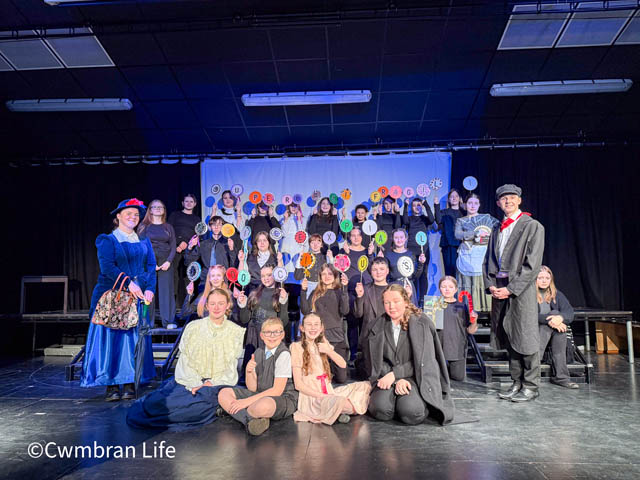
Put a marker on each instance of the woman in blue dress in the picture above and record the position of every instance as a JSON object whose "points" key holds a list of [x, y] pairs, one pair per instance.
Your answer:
{"points": [[109, 354]]}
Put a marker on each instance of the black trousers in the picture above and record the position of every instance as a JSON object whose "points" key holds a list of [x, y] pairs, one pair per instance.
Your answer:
{"points": [[449, 258], [165, 297], [179, 277], [524, 369], [558, 351], [340, 374], [457, 369], [411, 409]]}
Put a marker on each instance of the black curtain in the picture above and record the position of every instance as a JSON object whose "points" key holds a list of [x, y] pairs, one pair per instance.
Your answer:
{"points": [[587, 201], [54, 214]]}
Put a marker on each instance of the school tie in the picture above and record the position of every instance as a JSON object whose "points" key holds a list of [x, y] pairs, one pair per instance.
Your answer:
{"points": [[268, 354], [508, 221], [212, 260]]}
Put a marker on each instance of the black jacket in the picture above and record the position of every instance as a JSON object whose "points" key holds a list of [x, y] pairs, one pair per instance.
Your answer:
{"points": [[561, 306], [429, 364]]}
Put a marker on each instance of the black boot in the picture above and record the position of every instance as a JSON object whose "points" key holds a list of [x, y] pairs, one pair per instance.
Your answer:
{"points": [[113, 393]]}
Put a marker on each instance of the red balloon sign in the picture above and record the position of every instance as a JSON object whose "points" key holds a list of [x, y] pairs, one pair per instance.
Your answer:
{"points": [[301, 236], [232, 274]]}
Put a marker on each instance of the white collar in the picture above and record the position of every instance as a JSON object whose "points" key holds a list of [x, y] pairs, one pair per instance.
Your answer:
{"points": [[126, 237], [515, 215]]}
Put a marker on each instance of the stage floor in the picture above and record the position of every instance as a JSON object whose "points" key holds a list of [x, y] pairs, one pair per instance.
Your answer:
{"points": [[591, 433]]}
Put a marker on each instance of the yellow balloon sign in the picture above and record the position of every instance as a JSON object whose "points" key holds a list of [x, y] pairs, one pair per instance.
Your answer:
{"points": [[228, 230], [375, 196], [363, 263]]}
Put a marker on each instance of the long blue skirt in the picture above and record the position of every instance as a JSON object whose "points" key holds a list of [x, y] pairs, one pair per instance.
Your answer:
{"points": [[172, 406]]}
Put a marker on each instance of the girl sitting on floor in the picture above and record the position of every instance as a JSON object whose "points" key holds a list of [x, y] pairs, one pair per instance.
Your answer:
{"points": [[318, 401]]}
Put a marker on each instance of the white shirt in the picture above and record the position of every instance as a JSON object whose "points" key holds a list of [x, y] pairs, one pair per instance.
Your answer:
{"points": [[396, 332], [283, 364], [126, 237], [503, 236]]}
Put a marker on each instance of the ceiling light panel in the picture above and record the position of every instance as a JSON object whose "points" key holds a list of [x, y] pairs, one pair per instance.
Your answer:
{"points": [[592, 28], [631, 34], [27, 54], [78, 51], [534, 30]]}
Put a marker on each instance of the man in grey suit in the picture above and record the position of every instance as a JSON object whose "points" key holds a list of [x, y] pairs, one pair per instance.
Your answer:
{"points": [[511, 265]]}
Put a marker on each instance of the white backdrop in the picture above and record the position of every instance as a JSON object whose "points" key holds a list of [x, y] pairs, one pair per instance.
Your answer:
{"points": [[330, 174]]}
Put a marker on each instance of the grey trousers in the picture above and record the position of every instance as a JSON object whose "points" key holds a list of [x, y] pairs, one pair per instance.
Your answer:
{"points": [[457, 369], [410, 409], [558, 351], [525, 369]]}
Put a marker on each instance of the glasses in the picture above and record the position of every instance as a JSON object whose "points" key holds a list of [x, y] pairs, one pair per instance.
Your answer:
{"points": [[272, 333]]}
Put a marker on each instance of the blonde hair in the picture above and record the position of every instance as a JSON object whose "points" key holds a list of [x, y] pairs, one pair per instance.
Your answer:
{"points": [[271, 321], [551, 291], [321, 289], [208, 287], [410, 308], [306, 355], [225, 293]]}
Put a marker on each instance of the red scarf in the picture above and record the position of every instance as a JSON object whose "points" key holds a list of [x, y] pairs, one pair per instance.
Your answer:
{"points": [[508, 221]]}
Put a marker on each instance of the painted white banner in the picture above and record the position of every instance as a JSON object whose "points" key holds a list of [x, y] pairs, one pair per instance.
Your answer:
{"points": [[299, 177]]}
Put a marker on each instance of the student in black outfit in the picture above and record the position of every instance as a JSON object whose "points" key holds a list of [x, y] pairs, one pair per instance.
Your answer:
{"points": [[330, 301], [359, 219], [184, 223], [387, 216], [446, 220], [554, 314], [212, 251], [408, 370], [354, 249], [261, 254], [457, 324], [325, 219], [262, 219], [154, 226], [414, 223]]}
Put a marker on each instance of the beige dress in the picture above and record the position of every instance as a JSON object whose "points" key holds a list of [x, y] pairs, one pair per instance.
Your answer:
{"points": [[326, 409]]}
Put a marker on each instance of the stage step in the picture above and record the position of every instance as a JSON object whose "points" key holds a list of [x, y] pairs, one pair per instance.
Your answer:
{"points": [[497, 371], [165, 331]]}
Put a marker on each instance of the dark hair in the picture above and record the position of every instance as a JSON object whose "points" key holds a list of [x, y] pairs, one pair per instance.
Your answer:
{"points": [[449, 194], [470, 196], [360, 205], [254, 297], [215, 219], [235, 200], [190, 195], [355, 229], [383, 260], [329, 216]]}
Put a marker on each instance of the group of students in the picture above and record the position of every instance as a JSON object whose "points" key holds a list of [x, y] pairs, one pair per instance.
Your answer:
{"points": [[405, 363]]}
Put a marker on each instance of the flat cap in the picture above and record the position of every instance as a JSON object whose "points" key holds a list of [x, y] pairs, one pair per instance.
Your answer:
{"points": [[508, 189]]}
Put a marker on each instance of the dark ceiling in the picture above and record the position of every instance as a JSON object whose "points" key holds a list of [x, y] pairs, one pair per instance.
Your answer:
{"points": [[185, 64]]}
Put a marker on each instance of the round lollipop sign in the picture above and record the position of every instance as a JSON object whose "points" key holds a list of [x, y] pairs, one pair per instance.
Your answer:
{"points": [[228, 230], [268, 198], [301, 236], [297, 198], [232, 274], [255, 197], [435, 184], [375, 196], [275, 234], [329, 237], [280, 274], [363, 263], [333, 199], [409, 192], [384, 191], [381, 237], [245, 233], [395, 192], [342, 262], [346, 225], [201, 228], [244, 277], [370, 227], [216, 189], [421, 239], [405, 266], [193, 271], [470, 183], [237, 190], [423, 190], [345, 194], [287, 199]]}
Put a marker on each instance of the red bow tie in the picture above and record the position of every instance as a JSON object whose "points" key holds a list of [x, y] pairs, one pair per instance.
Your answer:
{"points": [[505, 223]]}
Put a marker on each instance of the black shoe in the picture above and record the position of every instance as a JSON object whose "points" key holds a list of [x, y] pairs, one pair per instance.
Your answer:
{"points": [[113, 393], [221, 412], [566, 384], [129, 391], [509, 394], [525, 395]]}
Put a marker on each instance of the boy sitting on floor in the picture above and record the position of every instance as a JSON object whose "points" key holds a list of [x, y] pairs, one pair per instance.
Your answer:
{"points": [[270, 393]]}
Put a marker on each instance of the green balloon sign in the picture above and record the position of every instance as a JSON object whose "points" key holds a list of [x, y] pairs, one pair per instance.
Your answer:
{"points": [[346, 225], [333, 198], [244, 277], [381, 237]]}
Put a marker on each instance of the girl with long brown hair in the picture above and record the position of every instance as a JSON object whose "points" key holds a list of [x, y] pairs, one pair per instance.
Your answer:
{"points": [[262, 253], [407, 364], [554, 314], [331, 299], [154, 226], [318, 401]]}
